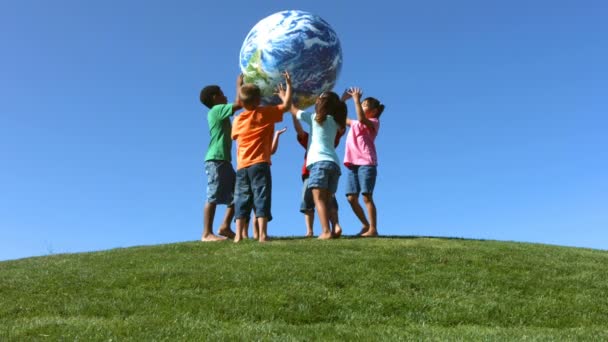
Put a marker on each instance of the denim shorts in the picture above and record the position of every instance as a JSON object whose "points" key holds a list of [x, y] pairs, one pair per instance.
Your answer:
{"points": [[324, 175], [361, 179], [308, 203], [220, 181], [253, 190]]}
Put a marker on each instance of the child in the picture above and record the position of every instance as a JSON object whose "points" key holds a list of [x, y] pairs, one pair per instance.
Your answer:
{"points": [[218, 160], [307, 207], [360, 158], [322, 160], [253, 130]]}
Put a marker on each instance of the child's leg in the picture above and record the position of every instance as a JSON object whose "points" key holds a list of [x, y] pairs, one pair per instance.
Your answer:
{"points": [[323, 181], [371, 212], [241, 229], [256, 226], [225, 227], [263, 228], [216, 194], [353, 200], [367, 179], [309, 218], [307, 207], [336, 229], [352, 195], [208, 215], [243, 201], [261, 183], [321, 197]]}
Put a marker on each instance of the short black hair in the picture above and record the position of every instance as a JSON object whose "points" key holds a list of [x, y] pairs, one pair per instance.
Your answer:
{"points": [[208, 93]]}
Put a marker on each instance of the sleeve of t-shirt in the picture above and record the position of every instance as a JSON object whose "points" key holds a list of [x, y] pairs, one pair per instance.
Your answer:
{"points": [[362, 127], [376, 125], [222, 111], [235, 129], [304, 116]]}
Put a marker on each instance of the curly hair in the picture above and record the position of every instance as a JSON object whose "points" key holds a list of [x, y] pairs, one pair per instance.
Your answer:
{"points": [[208, 93]]}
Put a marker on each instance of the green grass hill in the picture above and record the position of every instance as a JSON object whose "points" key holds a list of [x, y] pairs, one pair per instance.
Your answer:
{"points": [[402, 288]]}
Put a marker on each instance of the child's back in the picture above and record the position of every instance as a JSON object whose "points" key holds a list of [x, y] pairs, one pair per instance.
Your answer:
{"points": [[253, 131]]}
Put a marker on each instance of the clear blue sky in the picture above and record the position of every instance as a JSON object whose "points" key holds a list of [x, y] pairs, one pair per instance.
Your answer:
{"points": [[495, 124]]}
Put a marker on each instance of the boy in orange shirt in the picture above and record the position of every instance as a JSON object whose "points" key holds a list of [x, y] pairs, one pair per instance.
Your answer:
{"points": [[253, 131]]}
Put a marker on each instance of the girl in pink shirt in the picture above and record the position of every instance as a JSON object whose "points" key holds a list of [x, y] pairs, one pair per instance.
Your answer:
{"points": [[360, 158]]}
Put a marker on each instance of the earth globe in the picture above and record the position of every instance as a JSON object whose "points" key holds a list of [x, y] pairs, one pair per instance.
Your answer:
{"points": [[299, 42]]}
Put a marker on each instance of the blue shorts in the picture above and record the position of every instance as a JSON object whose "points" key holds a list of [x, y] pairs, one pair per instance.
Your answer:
{"points": [[220, 181], [324, 175], [253, 190], [308, 203], [361, 179]]}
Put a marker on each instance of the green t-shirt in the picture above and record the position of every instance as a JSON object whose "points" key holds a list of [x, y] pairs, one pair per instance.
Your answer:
{"points": [[220, 143]]}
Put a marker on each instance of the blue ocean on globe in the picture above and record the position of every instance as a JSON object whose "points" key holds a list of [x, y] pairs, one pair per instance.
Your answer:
{"points": [[299, 42]]}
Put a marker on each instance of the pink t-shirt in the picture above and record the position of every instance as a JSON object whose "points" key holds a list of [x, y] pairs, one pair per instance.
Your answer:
{"points": [[360, 146]]}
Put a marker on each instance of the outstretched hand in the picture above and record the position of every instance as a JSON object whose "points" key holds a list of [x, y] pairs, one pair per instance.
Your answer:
{"points": [[281, 90], [355, 93], [287, 77], [345, 95], [281, 131]]}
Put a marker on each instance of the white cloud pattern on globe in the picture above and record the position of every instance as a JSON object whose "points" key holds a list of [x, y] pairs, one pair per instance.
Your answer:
{"points": [[300, 42]]}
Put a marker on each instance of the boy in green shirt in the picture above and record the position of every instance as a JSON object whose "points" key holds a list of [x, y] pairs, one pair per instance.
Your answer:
{"points": [[218, 160]]}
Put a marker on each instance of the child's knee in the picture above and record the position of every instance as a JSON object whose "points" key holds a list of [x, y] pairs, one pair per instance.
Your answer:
{"points": [[367, 198], [352, 199]]}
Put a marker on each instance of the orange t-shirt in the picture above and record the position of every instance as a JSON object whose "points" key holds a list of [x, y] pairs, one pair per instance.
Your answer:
{"points": [[253, 131]]}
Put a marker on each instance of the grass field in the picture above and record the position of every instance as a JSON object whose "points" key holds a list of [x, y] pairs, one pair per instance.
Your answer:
{"points": [[299, 289]]}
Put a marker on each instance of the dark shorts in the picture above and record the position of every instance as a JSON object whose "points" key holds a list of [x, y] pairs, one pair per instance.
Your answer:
{"points": [[361, 179], [220, 181], [308, 203], [324, 175], [253, 190]]}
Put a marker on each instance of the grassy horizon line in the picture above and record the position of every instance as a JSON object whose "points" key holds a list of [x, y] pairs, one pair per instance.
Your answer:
{"points": [[387, 288]]}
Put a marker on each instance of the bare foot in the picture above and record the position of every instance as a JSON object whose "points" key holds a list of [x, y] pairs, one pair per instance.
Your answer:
{"points": [[309, 233], [325, 236], [227, 232], [263, 239], [370, 233], [212, 237], [363, 231], [337, 231]]}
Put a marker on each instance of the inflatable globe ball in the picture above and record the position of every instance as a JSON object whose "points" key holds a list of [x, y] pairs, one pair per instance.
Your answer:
{"points": [[299, 42]]}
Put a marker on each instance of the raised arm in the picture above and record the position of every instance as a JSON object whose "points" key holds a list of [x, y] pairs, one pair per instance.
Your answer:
{"points": [[296, 123], [285, 93], [275, 140], [236, 104], [356, 94], [345, 95]]}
